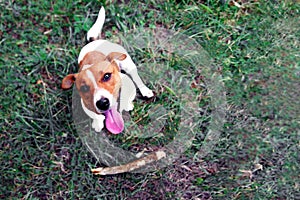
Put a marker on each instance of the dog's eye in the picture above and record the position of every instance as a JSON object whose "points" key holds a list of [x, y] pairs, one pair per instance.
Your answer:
{"points": [[85, 88], [106, 77]]}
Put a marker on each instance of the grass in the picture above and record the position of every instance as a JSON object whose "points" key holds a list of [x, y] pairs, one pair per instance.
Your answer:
{"points": [[256, 48]]}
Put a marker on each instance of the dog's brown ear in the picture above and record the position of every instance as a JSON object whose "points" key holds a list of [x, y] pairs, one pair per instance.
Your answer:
{"points": [[68, 81], [116, 55]]}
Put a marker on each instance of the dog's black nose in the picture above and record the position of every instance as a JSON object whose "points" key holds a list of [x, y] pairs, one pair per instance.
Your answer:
{"points": [[103, 104]]}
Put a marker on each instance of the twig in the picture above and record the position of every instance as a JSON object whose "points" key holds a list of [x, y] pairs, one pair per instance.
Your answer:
{"points": [[139, 163]]}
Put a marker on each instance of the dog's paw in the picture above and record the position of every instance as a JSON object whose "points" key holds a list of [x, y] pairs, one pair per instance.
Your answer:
{"points": [[98, 125], [146, 92], [129, 107]]}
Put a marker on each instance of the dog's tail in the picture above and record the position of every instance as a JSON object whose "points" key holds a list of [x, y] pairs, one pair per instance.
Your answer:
{"points": [[95, 32]]}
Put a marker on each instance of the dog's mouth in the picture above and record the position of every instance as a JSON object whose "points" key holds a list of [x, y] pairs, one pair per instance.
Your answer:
{"points": [[113, 121]]}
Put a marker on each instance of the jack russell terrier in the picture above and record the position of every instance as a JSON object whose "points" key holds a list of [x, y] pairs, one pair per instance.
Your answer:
{"points": [[100, 80]]}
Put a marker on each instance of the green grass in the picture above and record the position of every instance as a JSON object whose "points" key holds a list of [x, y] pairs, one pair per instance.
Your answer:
{"points": [[256, 48]]}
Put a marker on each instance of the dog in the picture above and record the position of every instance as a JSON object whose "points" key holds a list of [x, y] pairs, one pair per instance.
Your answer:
{"points": [[104, 90]]}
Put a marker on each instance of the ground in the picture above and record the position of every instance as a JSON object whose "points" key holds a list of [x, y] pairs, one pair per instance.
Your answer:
{"points": [[255, 45]]}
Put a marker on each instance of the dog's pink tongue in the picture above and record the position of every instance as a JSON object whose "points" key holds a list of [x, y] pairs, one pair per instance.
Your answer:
{"points": [[113, 121]]}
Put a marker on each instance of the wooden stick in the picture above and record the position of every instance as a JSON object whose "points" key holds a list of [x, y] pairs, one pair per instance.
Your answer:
{"points": [[139, 163]]}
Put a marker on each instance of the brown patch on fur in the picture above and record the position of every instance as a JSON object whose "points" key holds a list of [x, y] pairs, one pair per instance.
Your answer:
{"points": [[92, 57], [114, 83], [116, 55], [68, 81], [87, 97]]}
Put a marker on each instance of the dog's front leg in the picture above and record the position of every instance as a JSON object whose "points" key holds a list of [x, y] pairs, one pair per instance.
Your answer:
{"points": [[98, 123], [98, 120], [127, 94]]}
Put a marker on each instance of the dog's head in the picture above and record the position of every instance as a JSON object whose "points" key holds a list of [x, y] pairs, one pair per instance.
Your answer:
{"points": [[98, 81]]}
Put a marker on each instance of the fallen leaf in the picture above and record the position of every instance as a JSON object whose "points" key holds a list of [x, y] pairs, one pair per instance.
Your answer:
{"points": [[258, 167], [246, 173]]}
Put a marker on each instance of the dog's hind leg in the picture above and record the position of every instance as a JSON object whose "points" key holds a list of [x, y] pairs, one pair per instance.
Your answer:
{"points": [[130, 68]]}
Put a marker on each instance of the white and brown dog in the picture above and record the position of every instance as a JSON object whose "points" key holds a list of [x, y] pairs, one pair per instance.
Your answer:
{"points": [[100, 80]]}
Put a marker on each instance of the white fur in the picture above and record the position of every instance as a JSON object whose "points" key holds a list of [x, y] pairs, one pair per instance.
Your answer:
{"points": [[127, 94], [98, 119], [96, 29], [92, 78], [85, 67]]}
